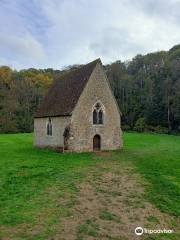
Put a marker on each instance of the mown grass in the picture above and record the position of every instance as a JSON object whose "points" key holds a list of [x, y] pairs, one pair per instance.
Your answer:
{"points": [[26, 173], [157, 159], [90, 227], [33, 182]]}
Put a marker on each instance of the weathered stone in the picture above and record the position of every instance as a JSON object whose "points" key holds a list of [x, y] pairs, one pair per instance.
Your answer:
{"points": [[80, 124]]}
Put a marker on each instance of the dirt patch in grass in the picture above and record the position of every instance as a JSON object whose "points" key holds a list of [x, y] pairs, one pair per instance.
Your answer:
{"points": [[111, 205], [108, 205], [103, 154]]}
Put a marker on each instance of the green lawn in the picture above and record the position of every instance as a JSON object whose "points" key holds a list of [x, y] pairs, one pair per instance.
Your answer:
{"points": [[157, 159], [26, 172], [34, 182]]}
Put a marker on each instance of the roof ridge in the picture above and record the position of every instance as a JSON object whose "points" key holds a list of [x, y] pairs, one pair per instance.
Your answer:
{"points": [[81, 66], [64, 93]]}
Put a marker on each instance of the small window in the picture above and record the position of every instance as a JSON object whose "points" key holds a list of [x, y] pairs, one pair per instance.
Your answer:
{"points": [[49, 127], [95, 117], [98, 114], [100, 117]]}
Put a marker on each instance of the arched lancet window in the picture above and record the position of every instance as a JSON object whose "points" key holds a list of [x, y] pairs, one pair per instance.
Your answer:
{"points": [[98, 114], [94, 116], [49, 127]]}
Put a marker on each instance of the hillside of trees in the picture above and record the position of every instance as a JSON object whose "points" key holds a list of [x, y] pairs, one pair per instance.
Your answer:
{"points": [[147, 90]]}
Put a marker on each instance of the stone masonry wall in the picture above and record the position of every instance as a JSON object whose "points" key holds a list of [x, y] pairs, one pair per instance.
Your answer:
{"points": [[82, 128], [41, 139]]}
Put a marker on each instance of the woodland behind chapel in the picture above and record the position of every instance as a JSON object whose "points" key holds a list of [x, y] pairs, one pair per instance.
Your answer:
{"points": [[147, 89]]}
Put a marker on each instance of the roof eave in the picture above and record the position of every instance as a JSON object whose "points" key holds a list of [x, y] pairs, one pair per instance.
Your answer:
{"points": [[58, 115]]}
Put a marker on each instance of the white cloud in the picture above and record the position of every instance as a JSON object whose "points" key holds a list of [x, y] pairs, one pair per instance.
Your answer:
{"points": [[53, 33], [25, 47], [110, 29]]}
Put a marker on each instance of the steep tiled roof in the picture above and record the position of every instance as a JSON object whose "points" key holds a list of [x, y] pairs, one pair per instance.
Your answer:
{"points": [[65, 92]]}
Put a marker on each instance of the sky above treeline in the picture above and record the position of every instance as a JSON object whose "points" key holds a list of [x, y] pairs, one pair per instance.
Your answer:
{"points": [[58, 33]]}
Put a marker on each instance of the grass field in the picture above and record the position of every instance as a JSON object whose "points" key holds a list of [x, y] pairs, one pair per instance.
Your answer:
{"points": [[105, 195]]}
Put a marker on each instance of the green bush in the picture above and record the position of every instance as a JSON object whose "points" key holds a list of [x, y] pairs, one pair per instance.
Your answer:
{"points": [[157, 129], [140, 125], [160, 129], [126, 128], [150, 128]]}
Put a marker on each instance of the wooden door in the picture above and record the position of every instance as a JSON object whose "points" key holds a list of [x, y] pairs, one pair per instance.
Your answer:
{"points": [[96, 143]]}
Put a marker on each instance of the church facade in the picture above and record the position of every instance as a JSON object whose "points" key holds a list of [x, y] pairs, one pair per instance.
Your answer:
{"points": [[79, 113]]}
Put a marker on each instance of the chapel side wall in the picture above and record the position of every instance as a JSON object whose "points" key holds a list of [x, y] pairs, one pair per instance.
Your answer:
{"points": [[97, 89], [41, 139]]}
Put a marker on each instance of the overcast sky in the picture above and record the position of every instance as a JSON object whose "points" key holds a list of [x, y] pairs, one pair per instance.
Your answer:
{"points": [[57, 33]]}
